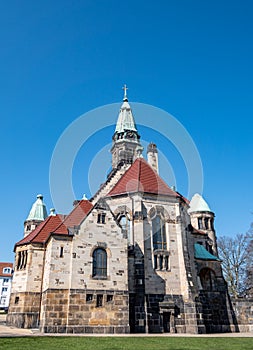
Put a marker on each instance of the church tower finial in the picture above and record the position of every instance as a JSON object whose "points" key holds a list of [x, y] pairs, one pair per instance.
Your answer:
{"points": [[126, 140], [125, 88]]}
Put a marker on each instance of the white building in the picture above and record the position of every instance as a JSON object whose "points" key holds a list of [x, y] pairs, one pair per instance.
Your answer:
{"points": [[5, 284]]}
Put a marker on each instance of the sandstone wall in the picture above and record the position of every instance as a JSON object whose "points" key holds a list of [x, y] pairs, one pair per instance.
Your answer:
{"points": [[24, 310], [85, 311], [243, 309]]}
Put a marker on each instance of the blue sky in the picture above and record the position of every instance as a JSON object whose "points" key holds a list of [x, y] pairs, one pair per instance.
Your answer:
{"points": [[61, 59]]}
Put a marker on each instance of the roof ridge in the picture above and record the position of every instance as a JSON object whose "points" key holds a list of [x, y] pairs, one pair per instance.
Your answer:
{"points": [[66, 216], [111, 175], [69, 216]]}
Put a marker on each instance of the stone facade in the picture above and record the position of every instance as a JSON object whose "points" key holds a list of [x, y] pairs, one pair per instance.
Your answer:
{"points": [[243, 309], [24, 311], [138, 257], [79, 311]]}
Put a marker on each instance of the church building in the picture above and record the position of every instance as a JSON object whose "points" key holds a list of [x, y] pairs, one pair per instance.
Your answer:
{"points": [[137, 257]]}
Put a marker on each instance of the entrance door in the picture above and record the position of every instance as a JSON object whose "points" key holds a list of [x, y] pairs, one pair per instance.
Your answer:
{"points": [[166, 322]]}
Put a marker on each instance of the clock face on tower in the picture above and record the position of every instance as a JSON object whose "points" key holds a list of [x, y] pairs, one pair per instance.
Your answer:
{"points": [[130, 135]]}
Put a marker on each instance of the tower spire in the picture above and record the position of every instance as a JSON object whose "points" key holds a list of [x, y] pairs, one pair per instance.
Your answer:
{"points": [[125, 88], [126, 140]]}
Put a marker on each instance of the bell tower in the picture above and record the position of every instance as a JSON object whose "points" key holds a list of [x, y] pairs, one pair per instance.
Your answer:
{"points": [[202, 218], [38, 213], [126, 140]]}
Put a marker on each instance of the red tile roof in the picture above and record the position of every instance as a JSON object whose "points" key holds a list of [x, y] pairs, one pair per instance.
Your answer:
{"points": [[42, 231], [75, 218], [57, 224], [140, 177], [2, 266]]}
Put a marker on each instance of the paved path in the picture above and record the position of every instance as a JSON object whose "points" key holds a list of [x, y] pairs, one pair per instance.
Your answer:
{"points": [[7, 331]]}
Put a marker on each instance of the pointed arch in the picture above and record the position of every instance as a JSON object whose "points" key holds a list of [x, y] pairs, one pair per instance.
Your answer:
{"points": [[159, 233]]}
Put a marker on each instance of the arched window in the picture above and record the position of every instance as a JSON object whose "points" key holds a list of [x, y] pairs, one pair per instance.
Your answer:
{"points": [[200, 223], [159, 233], [206, 221], [99, 267], [207, 278], [21, 260], [125, 225]]}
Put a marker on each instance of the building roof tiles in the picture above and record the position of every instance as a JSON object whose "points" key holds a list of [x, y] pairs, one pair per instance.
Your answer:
{"points": [[57, 224], [42, 231], [76, 216], [140, 177]]}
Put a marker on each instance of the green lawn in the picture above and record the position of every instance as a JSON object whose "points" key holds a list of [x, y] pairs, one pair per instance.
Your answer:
{"points": [[125, 343]]}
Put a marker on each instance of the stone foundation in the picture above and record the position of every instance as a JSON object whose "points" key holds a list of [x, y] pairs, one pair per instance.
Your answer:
{"points": [[157, 313], [84, 311], [215, 312], [243, 309], [87, 329], [24, 310], [106, 311]]}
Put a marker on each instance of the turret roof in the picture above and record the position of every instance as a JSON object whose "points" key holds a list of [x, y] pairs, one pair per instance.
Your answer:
{"points": [[38, 210], [198, 204]]}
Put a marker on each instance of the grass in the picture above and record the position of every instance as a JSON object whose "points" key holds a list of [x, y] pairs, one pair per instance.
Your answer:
{"points": [[125, 343]]}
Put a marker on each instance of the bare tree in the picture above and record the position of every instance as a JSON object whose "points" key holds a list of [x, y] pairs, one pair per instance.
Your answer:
{"points": [[233, 253], [249, 264]]}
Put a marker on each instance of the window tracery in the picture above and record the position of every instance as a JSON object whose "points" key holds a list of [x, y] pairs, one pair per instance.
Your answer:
{"points": [[159, 233], [159, 240]]}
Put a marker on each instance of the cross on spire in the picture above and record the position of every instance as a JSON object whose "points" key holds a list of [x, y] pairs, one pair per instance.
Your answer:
{"points": [[125, 88]]}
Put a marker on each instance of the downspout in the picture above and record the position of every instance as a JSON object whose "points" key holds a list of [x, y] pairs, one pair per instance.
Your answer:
{"points": [[146, 312], [70, 278], [132, 199], [41, 286]]}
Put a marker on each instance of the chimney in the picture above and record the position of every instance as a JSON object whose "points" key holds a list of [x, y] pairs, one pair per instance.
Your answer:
{"points": [[152, 156]]}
